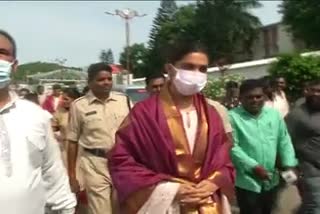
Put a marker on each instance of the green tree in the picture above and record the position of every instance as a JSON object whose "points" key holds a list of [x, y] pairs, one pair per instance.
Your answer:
{"points": [[296, 70], [159, 36], [226, 27], [303, 19], [164, 15], [35, 67], [107, 56], [138, 60], [215, 88]]}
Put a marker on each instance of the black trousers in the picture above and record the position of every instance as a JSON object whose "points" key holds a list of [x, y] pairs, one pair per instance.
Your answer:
{"points": [[256, 203]]}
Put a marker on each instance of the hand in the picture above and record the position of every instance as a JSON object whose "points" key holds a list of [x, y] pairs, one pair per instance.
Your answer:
{"points": [[183, 195], [184, 190], [202, 194], [261, 172], [74, 185], [290, 175], [205, 189], [294, 170]]}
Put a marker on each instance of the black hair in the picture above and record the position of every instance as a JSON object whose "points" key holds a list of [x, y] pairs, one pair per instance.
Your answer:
{"points": [[154, 75], [231, 84], [249, 85], [94, 69], [11, 40], [266, 81], [278, 77], [24, 89], [72, 92], [40, 86], [33, 97], [181, 48], [85, 90], [268, 86], [56, 87]]}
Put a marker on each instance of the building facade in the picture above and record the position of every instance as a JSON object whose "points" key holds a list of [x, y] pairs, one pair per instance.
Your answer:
{"points": [[272, 40]]}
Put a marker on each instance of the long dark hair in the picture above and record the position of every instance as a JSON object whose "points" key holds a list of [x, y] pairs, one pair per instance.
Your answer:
{"points": [[33, 97], [181, 48]]}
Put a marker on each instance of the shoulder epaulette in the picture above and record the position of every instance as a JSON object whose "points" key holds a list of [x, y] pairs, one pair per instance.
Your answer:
{"points": [[78, 99]]}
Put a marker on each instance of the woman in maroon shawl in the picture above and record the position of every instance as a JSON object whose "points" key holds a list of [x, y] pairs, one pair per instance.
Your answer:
{"points": [[172, 153]]}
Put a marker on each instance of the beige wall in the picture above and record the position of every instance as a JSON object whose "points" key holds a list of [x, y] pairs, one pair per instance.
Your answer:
{"points": [[284, 43]]}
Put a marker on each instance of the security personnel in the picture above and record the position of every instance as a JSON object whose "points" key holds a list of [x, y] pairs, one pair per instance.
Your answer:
{"points": [[94, 119]]}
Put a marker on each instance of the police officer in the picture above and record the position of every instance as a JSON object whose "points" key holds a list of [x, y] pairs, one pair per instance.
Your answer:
{"points": [[94, 119]]}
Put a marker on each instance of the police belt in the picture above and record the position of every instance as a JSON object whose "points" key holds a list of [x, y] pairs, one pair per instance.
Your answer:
{"points": [[97, 152]]}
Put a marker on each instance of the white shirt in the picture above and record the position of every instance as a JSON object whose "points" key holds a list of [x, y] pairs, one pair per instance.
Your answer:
{"points": [[38, 178], [279, 103]]}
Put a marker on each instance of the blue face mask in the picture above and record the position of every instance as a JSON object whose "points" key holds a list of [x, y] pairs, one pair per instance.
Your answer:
{"points": [[5, 71]]}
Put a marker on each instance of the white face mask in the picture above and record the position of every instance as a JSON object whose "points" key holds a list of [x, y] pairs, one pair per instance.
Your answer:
{"points": [[5, 71], [189, 82]]}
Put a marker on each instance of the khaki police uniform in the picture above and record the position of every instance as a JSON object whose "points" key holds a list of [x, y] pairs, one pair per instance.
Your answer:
{"points": [[93, 124]]}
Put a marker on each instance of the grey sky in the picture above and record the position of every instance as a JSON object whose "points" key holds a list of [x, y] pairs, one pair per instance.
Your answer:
{"points": [[78, 31]]}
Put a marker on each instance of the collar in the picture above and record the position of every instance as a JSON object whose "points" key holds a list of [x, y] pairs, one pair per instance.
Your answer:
{"points": [[92, 98], [11, 104], [247, 114], [281, 94]]}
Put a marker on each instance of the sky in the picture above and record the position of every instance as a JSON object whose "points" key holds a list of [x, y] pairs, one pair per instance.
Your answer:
{"points": [[78, 31]]}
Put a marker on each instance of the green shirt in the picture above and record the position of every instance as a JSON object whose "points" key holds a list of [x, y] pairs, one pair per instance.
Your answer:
{"points": [[259, 140]]}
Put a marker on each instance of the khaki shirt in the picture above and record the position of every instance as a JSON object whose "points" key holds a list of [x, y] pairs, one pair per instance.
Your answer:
{"points": [[93, 123], [223, 112], [60, 120]]}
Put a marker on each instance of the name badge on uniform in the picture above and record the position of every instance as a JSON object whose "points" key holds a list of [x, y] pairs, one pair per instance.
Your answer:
{"points": [[91, 113]]}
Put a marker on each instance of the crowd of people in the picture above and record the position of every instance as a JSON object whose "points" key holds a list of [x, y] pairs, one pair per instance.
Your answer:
{"points": [[174, 152]]}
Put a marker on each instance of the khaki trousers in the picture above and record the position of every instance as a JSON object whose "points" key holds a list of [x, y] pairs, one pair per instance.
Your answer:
{"points": [[97, 183]]}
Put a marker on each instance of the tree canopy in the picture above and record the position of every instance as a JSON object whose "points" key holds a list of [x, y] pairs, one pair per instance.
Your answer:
{"points": [[107, 56], [226, 28], [297, 70], [36, 67], [160, 35], [138, 59], [302, 18]]}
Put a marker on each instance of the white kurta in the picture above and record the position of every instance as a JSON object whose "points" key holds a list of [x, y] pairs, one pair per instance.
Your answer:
{"points": [[38, 178], [280, 103], [162, 198]]}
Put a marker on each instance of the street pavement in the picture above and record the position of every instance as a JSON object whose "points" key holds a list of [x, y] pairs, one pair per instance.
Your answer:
{"points": [[288, 201]]}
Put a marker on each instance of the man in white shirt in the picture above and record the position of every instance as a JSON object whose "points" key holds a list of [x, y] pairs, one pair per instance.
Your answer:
{"points": [[32, 176], [280, 101]]}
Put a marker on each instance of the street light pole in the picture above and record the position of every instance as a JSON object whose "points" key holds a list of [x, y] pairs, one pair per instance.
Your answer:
{"points": [[128, 44], [127, 15]]}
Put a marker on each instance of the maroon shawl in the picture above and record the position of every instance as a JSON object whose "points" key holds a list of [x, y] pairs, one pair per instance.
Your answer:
{"points": [[144, 154]]}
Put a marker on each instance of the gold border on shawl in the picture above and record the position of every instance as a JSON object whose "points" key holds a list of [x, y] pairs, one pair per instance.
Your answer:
{"points": [[192, 168]]}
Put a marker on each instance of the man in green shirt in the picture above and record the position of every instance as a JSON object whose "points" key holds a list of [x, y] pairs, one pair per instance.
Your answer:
{"points": [[259, 137]]}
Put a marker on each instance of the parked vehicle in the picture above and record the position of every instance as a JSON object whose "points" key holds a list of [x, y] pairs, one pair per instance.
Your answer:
{"points": [[135, 92]]}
